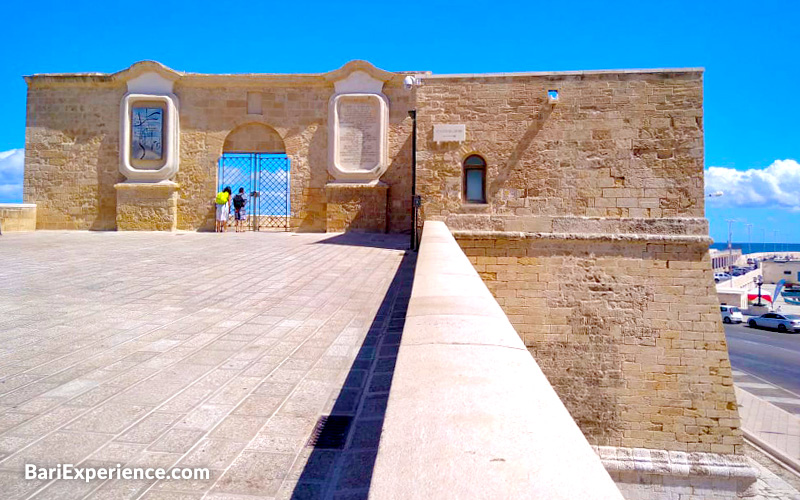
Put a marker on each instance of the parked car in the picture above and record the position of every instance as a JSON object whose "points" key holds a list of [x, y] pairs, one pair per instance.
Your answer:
{"points": [[721, 277], [738, 271], [731, 314], [781, 322]]}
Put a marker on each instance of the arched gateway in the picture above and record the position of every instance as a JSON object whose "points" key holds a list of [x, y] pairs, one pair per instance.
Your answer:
{"points": [[254, 158]]}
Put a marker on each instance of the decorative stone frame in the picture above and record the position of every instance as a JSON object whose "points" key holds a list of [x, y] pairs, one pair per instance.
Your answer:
{"points": [[363, 175], [171, 133]]}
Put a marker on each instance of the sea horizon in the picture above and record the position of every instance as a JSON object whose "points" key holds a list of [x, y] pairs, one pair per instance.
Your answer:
{"points": [[758, 247]]}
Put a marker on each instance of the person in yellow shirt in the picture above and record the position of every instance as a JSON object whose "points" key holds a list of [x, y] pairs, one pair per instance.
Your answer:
{"points": [[223, 209]]}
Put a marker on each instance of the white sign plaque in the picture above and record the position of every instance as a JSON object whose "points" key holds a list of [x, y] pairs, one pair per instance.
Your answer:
{"points": [[449, 132]]}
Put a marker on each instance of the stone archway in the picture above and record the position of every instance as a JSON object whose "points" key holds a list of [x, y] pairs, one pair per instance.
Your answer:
{"points": [[254, 137], [254, 159]]}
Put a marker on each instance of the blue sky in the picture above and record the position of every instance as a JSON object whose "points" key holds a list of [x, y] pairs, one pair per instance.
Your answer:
{"points": [[750, 52]]}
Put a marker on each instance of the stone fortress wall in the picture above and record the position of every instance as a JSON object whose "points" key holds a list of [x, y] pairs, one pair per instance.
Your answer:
{"points": [[592, 237], [72, 143]]}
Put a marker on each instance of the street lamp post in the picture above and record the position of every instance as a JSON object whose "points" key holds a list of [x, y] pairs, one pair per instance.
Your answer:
{"points": [[415, 201], [730, 246], [749, 239], [775, 242], [759, 280]]}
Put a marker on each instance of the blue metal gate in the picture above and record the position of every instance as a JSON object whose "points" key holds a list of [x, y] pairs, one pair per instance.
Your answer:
{"points": [[265, 179]]}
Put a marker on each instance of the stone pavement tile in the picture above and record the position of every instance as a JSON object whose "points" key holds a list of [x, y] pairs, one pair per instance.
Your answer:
{"points": [[290, 425], [27, 393], [213, 453], [66, 490], [56, 448], [262, 366], [192, 485], [149, 428], [171, 495], [39, 404], [255, 473], [121, 489], [188, 340], [356, 470], [204, 417], [109, 418], [47, 422], [116, 452], [295, 490], [236, 390], [177, 440], [270, 442], [14, 489], [187, 400], [314, 465], [258, 404], [366, 434], [270, 388], [770, 424], [239, 428], [12, 419], [149, 394], [301, 405], [10, 444], [94, 396]]}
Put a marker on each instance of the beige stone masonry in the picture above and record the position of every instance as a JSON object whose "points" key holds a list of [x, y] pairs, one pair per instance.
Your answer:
{"points": [[626, 328], [147, 206], [356, 207], [72, 142], [17, 217], [643, 474]]}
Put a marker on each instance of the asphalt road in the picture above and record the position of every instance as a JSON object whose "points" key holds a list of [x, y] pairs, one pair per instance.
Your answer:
{"points": [[768, 354]]}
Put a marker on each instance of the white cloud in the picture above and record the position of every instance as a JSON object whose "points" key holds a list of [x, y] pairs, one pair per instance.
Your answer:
{"points": [[776, 185], [12, 163]]}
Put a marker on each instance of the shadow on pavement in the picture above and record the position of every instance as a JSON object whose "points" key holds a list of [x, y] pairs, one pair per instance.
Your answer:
{"points": [[346, 472], [374, 240]]}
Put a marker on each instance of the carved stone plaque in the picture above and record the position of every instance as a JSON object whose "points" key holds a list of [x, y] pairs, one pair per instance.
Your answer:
{"points": [[358, 123], [359, 133], [449, 132]]}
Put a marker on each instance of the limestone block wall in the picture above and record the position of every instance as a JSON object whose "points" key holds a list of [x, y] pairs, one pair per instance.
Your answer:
{"points": [[627, 330], [617, 144], [72, 154], [16, 217], [72, 144], [356, 207], [146, 207], [299, 114]]}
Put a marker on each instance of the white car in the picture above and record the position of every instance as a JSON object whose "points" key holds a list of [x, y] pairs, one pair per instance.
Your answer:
{"points": [[731, 314], [781, 322], [721, 277]]}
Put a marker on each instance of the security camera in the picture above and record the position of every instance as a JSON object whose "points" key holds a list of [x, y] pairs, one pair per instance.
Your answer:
{"points": [[408, 82]]}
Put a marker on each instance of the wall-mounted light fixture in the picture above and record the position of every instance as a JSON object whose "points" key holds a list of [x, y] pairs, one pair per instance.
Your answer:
{"points": [[552, 96], [410, 82]]}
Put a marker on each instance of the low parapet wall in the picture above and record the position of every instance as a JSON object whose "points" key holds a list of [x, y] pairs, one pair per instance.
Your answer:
{"points": [[17, 217], [470, 414]]}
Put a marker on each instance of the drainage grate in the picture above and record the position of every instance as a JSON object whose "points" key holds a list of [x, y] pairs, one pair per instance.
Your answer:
{"points": [[330, 433]]}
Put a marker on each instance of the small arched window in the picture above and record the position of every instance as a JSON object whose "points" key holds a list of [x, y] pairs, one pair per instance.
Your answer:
{"points": [[474, 179]]}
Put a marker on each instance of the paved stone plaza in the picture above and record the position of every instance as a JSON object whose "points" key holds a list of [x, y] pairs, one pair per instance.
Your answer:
{"points": [[196, 350]]}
